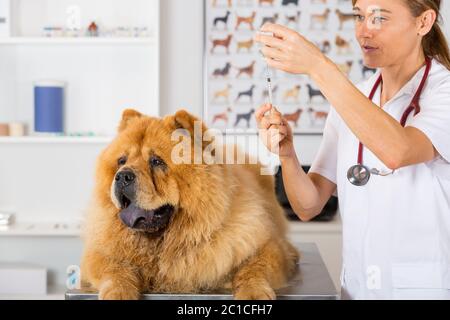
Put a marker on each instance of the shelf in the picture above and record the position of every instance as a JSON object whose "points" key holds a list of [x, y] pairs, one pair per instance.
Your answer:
{"points": [[41, 229], [54, 292], [32, 229], [55, 140], [76, 41], [47, 229]]}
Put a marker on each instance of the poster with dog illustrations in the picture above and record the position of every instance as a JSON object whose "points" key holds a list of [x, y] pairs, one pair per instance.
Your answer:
{"points": [[235, 83]]}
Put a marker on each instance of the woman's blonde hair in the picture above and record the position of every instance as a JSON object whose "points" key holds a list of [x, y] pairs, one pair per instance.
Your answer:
{"points": [[434, 44]]}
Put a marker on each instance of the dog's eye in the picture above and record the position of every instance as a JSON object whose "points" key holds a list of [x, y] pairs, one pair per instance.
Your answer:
{"points": [[156, 162], [122, 161]]}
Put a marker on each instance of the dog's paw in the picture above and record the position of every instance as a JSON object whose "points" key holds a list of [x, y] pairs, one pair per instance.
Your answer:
{"points": [[112, 291], [255, 293]]}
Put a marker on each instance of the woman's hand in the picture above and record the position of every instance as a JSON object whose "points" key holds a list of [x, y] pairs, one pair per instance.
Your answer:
{"points": [[275, 132], [288, 51]]}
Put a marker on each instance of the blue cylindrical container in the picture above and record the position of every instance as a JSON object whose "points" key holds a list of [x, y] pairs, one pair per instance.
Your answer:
{"points": [[49, 107]]}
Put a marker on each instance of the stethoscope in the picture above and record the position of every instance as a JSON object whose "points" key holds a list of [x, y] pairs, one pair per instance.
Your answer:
{"points": [[359, 175]]}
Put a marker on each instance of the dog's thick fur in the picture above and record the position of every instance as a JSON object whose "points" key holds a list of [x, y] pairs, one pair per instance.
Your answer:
{"points": [[227, 230]]}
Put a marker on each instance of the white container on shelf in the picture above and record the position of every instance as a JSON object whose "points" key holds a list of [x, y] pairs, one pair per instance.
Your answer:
{"points": [[5, 18], [17, 129], [22, 278]]}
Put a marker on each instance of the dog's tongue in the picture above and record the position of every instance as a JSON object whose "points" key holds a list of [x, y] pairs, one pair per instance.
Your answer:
{"points": [[132, 215]]}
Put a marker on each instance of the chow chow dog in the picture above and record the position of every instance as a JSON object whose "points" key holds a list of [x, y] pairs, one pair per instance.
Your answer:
{"points": [[157, 226]]}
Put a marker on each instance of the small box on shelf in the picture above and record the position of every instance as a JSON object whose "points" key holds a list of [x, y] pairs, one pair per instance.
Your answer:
{"points": [[22, 278], [6, 218], [5, 18], [12, 129]]}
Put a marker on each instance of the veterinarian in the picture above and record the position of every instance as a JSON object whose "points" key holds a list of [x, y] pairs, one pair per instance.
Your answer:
{"points": [[385, 150]]}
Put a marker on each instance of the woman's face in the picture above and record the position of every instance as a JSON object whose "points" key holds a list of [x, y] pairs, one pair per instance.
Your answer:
{"points": [[386, 31]]}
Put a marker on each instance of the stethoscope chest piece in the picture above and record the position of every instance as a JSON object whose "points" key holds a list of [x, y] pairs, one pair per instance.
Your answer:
{"points": [[359, 175]]}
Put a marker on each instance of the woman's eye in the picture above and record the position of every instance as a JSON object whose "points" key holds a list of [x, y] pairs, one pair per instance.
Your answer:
{"points": [[358, 17], [156, 162], [122, 161], [378, 20]]}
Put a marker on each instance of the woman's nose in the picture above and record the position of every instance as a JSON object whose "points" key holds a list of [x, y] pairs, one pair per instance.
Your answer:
{"points": [[364, 30]]}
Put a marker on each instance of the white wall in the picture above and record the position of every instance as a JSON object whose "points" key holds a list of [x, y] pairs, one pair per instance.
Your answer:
{"points": [[182, 66], [181, 55], [446, 15]]}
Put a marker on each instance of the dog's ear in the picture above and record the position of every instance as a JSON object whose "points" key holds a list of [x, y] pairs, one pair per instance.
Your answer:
{"points": [[185, 120], [127, 116], [193, 126]]}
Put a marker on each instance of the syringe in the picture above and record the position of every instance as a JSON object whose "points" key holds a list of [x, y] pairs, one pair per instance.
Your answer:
{"points": [[269, 84], [268, 76]]}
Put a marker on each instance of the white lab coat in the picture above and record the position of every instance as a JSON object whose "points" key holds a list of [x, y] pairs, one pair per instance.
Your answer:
{"points": [[396, 229]]}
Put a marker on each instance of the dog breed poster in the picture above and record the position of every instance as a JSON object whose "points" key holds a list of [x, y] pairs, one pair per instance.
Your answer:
{"points": [[235, 72]]}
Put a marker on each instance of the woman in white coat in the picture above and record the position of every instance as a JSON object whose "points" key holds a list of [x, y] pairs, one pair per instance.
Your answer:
{"points": [[385, 152]]}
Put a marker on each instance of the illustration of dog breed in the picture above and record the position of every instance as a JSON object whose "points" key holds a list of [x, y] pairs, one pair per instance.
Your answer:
{"points": [[343, 18], [225, 94], [222, 72], [269, 2], [312, 93], [248, 70], [246, 20], [293, 19], [324, 46], [247, 45], [289, 2], [229, 3], [316, 116], [293, 93], [222, 116], [320, 19], [223, 20], [248, 93], [245, 117], [343, 46], [345, 68], [271, 19], [294, 117], [366, 71], [225, 43]]}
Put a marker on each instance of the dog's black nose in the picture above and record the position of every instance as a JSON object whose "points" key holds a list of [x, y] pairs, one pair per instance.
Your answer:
{"points": [[125, 178]]}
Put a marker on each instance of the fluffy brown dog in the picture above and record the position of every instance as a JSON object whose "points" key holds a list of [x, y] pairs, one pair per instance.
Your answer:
{"points": [[156, 226]]}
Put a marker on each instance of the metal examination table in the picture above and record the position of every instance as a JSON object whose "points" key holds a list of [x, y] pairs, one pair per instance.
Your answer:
{"points": [[312, 282]]}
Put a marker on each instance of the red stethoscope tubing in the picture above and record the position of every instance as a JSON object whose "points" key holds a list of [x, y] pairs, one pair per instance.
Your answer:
{"points": [[413, 106]]}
